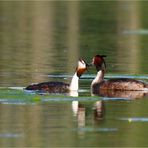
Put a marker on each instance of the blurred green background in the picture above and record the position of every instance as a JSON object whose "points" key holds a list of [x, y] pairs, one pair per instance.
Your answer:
{"points": [[41, 38]]}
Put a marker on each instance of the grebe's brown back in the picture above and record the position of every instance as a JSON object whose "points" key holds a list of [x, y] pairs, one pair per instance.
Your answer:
{"points": [[61, 87], [122, 84]]}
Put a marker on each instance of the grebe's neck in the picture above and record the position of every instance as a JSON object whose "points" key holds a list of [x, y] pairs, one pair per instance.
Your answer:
{"points": [[74, 85], [99, 78]]}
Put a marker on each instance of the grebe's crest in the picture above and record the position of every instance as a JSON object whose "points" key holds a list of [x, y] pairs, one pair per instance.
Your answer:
{"points": [[99, 62], [81, 68]]}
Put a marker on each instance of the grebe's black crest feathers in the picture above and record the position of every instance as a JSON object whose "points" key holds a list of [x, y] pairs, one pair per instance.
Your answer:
{"points": [[103, 56]]}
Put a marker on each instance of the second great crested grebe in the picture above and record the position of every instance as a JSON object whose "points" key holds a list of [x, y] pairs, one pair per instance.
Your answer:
{"points": [[120, 84], [61, 87]]}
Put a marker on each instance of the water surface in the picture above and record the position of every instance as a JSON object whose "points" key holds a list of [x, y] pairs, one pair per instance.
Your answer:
{"points": [[42, 41]]}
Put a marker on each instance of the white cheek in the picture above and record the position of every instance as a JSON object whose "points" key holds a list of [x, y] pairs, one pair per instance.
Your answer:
{"points": [[81, 65]]}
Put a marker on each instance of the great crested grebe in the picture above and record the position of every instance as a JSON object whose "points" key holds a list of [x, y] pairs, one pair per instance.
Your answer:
{"points": [[116, 84], [61, 87]]}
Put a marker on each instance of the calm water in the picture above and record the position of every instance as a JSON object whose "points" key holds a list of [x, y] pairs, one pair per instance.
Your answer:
{"points": [[42, 41]]}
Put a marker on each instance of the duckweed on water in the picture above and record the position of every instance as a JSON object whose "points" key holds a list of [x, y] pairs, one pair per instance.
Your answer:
{"points": [[17, 95]]}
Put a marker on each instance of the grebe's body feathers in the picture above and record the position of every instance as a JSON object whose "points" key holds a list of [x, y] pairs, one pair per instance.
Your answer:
{"points": [[61, 87], [121, 84], [100, 86], [54, 87]]}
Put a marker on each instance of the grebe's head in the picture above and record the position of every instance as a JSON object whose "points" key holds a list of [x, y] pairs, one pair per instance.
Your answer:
{"points": [[81, 67], [99, 62]]}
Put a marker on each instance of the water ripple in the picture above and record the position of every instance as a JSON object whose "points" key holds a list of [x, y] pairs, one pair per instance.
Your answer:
{"points": [[10, 135], [135, 119], [69, 99], [116, 99], [136, 32], [91, 129], [107, 76]]}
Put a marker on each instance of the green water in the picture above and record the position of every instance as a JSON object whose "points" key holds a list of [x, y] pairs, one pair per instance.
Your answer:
{"points": [[42, 41]]}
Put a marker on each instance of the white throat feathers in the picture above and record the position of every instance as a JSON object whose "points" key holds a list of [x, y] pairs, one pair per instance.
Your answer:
{"points": [[98, 78], [81, 68], [74, 85]]}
